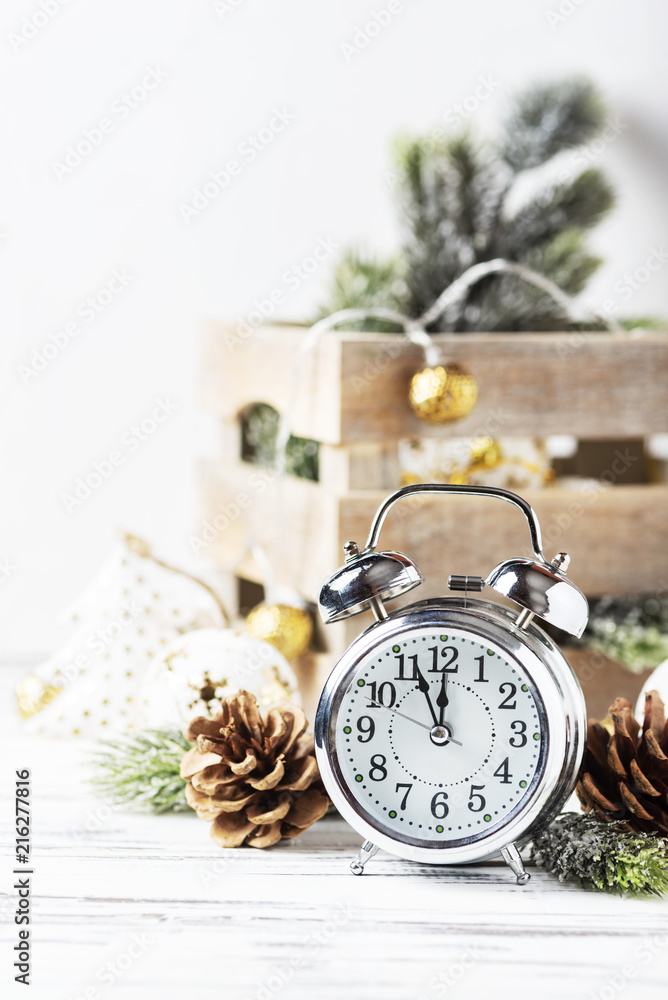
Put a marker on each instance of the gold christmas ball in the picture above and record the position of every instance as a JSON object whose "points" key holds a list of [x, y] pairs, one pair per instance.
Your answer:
{"points": [[447, 392], [486, 451], [287, 628], [33, 694]]}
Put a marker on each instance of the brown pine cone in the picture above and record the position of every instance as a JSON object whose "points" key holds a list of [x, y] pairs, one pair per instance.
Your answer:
{"points": [[254, 775], [624, 774]]}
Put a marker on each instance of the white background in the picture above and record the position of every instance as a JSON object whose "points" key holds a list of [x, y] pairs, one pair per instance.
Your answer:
{"points": [[322, 177]]}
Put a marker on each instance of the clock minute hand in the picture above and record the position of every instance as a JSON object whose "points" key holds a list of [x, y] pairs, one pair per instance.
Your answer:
{"points": [[377, 704], [443, 701]]}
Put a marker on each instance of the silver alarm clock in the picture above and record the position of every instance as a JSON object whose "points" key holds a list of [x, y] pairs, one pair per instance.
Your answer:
{"points": [[453, 729]]}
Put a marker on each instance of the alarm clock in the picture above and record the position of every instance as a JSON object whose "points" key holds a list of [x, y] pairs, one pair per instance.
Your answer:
{"points": [[451, 730]]}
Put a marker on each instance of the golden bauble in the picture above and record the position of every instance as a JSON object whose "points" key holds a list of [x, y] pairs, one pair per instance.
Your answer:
{"points": [[447, 392], [486, 451], [287, 628], [33, 694]]}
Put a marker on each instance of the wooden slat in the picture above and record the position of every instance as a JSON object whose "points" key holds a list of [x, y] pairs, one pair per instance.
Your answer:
{"points": [[362, 465], [617, 536], [353, 386]]}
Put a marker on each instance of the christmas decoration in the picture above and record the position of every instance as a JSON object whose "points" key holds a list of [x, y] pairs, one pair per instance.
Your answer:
{"points": [[287, 628], [632, 630], [444, 393], [657, 681], [197, 671], [512, 463], [603, 856], [454, 196], [624, 774], [142, 770], [125, 618], [253, 774]]}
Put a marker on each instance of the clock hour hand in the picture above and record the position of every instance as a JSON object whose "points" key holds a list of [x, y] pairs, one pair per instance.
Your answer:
{"points": [[423, 686]]}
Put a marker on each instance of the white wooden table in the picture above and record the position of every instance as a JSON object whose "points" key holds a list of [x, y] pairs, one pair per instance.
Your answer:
{"points": [[146, 907]]}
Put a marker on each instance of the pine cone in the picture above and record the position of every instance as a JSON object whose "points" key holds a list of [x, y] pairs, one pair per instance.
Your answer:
{"points": [[254, 775], [624, 773]]}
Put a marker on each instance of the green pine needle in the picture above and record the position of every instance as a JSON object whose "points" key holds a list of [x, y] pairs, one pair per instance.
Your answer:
{"points": [[363, 281], [142, 771], [548, 118], [456, 194], [603, 856]]}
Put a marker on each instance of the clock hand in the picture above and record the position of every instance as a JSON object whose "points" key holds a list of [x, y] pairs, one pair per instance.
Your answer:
{"points": [[423, 686], [408, 717], [397, 712], [443, 701]]}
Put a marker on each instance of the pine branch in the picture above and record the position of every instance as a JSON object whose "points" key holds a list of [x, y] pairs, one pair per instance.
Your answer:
{"points": [[142, 770], [362, 281], [565, 261], [577, 204], [548, 119], [450, 203], [431, 248], [453, 197], [603, 856]]}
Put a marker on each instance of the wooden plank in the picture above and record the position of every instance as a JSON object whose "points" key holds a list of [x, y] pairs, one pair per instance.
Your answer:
{"points": [[362, 465], [353, 386], [617, 536]]}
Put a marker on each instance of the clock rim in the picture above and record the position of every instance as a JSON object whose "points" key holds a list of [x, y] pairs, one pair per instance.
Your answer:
{"points": [[562, 699]]}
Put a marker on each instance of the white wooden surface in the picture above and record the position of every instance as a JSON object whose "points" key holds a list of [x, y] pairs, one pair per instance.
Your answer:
{"points": [[291, 922]]}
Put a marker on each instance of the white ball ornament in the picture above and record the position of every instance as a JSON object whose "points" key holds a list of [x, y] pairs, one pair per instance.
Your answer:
{"points": [[200, 668]]}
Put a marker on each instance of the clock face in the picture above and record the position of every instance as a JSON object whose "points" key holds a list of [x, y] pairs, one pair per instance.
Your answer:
{"points": [[440, 737]]}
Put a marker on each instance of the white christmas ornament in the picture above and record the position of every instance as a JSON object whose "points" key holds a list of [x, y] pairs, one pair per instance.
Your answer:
{"points": [[124, 620], [199, 669], [658, 681]]}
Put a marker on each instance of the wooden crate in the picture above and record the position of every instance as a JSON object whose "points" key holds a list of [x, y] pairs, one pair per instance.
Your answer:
{"points": [[353, 400]]}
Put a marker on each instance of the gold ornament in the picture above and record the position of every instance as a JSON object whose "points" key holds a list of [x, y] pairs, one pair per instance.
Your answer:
{"points": [[33, 694], [447, 392], [287, 628], [486, 451]]}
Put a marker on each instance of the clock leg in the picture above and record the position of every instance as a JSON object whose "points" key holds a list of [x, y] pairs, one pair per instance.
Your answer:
{"points": [[512, 857], [367, 851]]}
